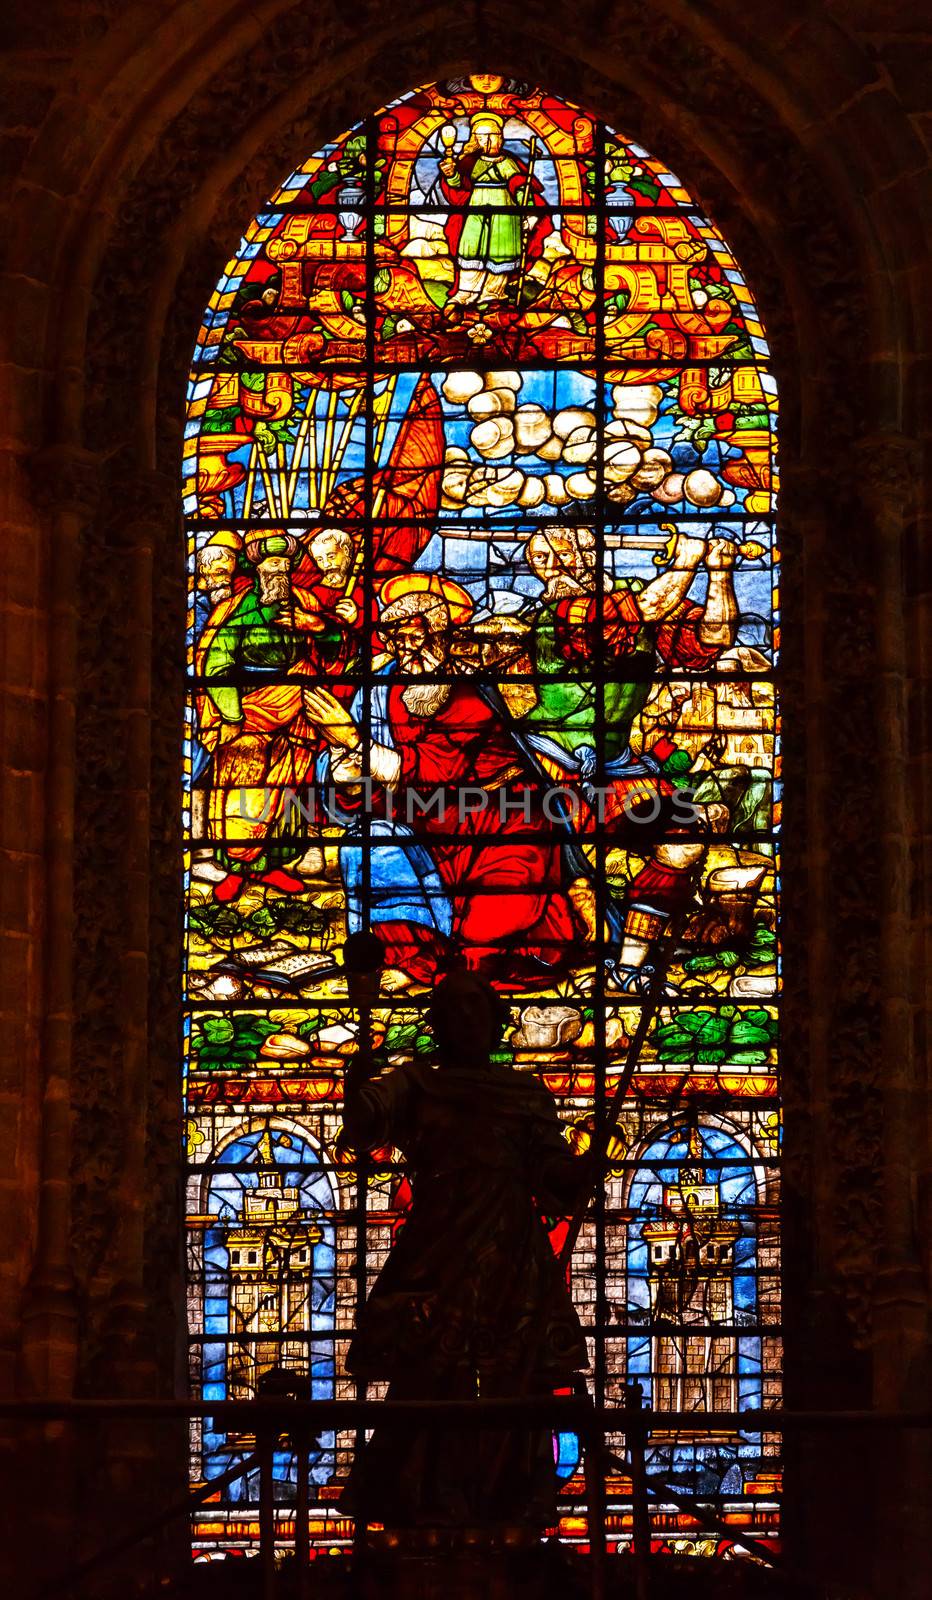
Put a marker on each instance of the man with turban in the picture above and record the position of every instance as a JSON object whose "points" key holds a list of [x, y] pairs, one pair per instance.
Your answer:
{"points": [[298, 615]]}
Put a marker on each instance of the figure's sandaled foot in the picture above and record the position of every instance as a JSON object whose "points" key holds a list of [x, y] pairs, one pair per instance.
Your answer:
{"points": [[284, 882], [206, 870], [230, 888]]}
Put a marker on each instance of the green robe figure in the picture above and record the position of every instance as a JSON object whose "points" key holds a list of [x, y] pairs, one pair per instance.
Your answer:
{"points": [[497, 199], [636, 797]]}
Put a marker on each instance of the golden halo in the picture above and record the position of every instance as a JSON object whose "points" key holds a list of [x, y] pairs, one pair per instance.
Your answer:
{"points": [[224, 539], [459, 604], [487, 119]]}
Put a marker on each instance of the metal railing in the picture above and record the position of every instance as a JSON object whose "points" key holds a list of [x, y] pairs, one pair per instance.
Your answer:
{"points": [[299, 1423]]}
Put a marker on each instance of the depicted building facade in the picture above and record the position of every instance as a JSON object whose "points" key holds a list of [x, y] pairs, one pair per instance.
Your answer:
{"points": [[271, 1250], [691, 1267]]}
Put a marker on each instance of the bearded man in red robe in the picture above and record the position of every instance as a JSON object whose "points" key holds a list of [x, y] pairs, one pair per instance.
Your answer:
{"points": [[447, 774]]}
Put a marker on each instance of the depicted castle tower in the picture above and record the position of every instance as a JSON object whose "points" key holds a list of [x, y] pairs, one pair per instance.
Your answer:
{"points": [[271, 1252], [691, 1265]]}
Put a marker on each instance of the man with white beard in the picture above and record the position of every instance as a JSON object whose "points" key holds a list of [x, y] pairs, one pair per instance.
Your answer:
{"points": [[470, 886]]}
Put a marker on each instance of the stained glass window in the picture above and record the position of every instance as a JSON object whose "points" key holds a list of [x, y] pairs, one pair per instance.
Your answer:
{"points": [[479, 484]]}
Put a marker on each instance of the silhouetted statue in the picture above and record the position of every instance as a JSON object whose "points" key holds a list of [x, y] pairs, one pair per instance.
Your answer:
{"points": [[471, 1300]]}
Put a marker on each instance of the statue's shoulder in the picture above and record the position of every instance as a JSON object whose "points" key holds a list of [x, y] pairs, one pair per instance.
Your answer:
{"points": [[493, 1087], [538, 1099], [521, 1093], [421, 1071]]}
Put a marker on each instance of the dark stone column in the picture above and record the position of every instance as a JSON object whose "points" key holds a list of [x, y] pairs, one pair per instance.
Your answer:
{"points": [[67, 482]]}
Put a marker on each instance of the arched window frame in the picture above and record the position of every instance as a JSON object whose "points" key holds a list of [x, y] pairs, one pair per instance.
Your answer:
{"points": [[598, 255]]}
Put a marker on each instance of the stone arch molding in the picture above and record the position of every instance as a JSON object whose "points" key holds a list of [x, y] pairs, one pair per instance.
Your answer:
{"points": [[126, 206]]}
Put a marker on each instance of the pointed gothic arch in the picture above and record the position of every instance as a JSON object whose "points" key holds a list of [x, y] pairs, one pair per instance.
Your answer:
{"points": [[794, 138], [480, 492]]}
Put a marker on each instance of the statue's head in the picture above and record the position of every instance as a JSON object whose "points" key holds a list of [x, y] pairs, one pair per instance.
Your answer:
{"points": [[467, 1018]]}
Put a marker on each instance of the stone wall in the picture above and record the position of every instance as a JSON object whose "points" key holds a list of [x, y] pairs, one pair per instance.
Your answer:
{"points": [[138, 138]]}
